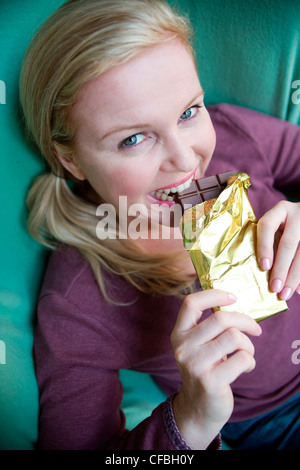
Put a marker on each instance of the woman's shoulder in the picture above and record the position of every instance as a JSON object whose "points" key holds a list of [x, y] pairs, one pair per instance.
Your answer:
{"points": [[65, 265], [69, 275], [238, 112], [252, 123]]}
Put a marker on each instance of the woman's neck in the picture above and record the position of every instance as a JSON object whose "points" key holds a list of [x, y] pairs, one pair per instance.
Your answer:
{"points": [[165, 240]]}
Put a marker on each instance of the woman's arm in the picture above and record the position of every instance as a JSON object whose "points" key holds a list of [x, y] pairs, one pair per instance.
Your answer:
{"points": [[205, 402], [80, 389]]}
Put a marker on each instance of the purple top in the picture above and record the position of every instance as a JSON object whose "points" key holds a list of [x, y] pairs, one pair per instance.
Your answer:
{"points": [[82, 341]]}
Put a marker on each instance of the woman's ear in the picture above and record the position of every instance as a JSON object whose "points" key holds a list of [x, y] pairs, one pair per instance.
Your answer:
{"points": [[68, 162]]}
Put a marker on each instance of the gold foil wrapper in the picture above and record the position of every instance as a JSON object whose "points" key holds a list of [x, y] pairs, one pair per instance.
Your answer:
{"points": [[220, 236]]}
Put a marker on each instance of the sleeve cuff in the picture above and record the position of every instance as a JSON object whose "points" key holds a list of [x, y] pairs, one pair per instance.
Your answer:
{"points": [[173, 432]]}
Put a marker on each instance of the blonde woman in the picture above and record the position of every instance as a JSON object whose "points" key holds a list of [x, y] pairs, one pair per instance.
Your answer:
{"points": [[111, 95]]}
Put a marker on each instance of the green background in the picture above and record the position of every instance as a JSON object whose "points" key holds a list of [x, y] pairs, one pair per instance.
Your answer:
{"points": [[248, 54]]}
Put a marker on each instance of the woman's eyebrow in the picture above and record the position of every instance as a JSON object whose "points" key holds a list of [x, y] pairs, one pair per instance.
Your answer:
{"points": [[201, 93], [123, 128], [143, 126]]}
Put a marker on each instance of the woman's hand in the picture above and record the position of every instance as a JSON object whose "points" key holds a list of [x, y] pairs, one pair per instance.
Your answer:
{"points": [[278, 249], [205, 401]]}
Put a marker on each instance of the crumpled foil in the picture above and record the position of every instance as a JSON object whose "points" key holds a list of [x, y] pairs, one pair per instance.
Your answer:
{"points": [[220, 236]]}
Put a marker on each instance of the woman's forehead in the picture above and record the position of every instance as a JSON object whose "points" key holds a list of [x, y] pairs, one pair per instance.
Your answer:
{"points": [[164, 69]]}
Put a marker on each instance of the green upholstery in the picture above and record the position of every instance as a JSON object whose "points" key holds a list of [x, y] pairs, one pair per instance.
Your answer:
{"points": [[22, 260], [140, 396], [248, 54]]}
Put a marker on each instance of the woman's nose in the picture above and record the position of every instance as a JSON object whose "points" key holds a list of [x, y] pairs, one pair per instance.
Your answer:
{"points": [[178, 155]]}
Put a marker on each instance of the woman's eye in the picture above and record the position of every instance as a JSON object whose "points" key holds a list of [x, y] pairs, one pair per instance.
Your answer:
{"points": [[189, 113], [132, 140]]}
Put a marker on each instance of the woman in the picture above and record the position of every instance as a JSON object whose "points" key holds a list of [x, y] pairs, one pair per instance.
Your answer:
{"points": [[111, 95]]}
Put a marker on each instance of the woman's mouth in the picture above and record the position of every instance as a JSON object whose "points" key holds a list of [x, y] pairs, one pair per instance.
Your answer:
{"points": [[167, 194]]}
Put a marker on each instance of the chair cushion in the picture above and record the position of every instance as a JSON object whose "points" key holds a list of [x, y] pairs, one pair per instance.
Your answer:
{"points": [[248, 54]]}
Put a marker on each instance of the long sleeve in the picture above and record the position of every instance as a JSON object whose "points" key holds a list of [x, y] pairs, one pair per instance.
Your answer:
{"points": [[80, 390]]}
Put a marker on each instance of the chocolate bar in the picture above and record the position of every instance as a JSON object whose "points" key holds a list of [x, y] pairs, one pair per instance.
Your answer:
{"points": [[220, 236], [203, 189]]}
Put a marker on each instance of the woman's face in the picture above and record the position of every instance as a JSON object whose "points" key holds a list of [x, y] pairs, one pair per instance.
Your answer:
{"points": [[142, 130]]}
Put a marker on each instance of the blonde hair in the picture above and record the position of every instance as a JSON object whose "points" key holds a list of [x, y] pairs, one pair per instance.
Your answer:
{"points": [[80, 41]]}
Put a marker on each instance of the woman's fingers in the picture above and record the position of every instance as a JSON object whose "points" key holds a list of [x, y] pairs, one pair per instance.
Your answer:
{"points": [[221, 321], [191, 312], [194, 304], [216, 351], [200, 345], [286, 284], [285, 274], [229, 370], [266, 229]]}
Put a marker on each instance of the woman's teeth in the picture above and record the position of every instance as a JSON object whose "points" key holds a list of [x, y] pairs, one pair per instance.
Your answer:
{"points": [[165, 194]]}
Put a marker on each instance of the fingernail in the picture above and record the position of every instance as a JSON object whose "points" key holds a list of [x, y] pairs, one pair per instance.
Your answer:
{"points": [[265, 264], [276, 285], [298, 290], [259, 329], [286, 294], [232, 297]]}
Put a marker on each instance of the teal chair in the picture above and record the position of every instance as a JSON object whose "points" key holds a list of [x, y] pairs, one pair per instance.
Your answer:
{"points": [[248, 54]]}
